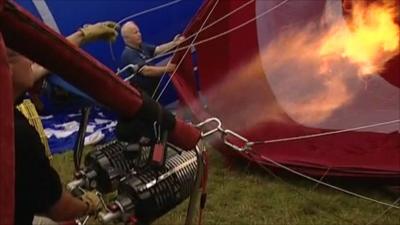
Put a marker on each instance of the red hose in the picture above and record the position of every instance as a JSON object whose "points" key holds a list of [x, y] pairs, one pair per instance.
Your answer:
{"points": [[7, 176]]}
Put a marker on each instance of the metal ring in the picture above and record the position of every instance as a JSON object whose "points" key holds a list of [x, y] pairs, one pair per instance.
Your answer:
{"points": [[225, 136], [207, 122]]}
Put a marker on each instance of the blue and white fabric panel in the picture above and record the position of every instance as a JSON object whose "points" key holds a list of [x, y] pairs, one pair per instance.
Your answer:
{"points": [[62, 129]]}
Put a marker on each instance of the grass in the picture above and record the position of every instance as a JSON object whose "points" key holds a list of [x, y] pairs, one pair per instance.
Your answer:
{"points": [[248, 196]]}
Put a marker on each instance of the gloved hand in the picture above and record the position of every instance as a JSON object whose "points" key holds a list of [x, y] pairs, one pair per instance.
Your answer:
{"points": [[170, 67], [93, 202], [178, 39], [102, 30]]}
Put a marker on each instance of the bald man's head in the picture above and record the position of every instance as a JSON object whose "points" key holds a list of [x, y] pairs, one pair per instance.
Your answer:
{"points": [[130, 32]]}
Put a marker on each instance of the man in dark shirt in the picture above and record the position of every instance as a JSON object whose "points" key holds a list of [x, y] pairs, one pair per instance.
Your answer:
{"points": [[37, 185], [137, 54], [38, 188]]}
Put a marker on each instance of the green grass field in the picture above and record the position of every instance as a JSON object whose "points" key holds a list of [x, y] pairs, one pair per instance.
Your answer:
{"points": [[240, 195]]}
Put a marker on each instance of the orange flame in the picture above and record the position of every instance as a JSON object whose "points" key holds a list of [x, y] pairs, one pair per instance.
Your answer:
{"points": [[319, 70], [373, 39]]}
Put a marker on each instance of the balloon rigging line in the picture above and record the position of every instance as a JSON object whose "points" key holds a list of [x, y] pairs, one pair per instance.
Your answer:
{"points": [[373, 221], [324, 134], [221, 18], [243, 24], [187, 50], [161, 79], [110, 44], [214, 37], [288, 185], [324, 183], [148, 11], [322, 178], [223, 33], [192, 35]]}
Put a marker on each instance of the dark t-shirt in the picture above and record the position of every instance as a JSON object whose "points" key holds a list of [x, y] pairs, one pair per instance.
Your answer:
{"points": [[37, 184], [138, 57]]}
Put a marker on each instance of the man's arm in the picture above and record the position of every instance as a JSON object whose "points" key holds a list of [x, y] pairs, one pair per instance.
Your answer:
{"points": [[89, 33], [69, 207], [156, 71], [169, 46]]}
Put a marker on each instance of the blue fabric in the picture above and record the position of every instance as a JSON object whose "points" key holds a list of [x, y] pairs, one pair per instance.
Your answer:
{"points": [[138, 57], [101, 127], [59, 96], [56, 80]]}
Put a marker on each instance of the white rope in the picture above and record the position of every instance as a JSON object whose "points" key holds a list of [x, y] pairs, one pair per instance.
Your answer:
{"points": [[225, 32], [221, 18], [161, 78], [148, 11], [325, 133], [110, 45], [243, 24], [325, 184], [214, 37], [304, 195], [192, 35], [187, 50], [373, 221]]}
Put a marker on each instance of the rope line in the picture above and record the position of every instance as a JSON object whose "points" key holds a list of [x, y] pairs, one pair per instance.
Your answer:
{"points": [[221, 18], [148, 11], [321, 178], [325, 133], [292, 188], [187, 50], [194, 35], [373, 221], [324, 183], [225, 32]]}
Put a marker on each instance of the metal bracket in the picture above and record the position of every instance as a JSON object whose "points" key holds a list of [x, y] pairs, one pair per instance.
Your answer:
{"points": [[217, 127], [209, 121], [229, 133]]}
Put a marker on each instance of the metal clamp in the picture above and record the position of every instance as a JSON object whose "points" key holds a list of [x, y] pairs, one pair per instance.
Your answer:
{"points": [[209, 121], [225, 134], [228, 133]]}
